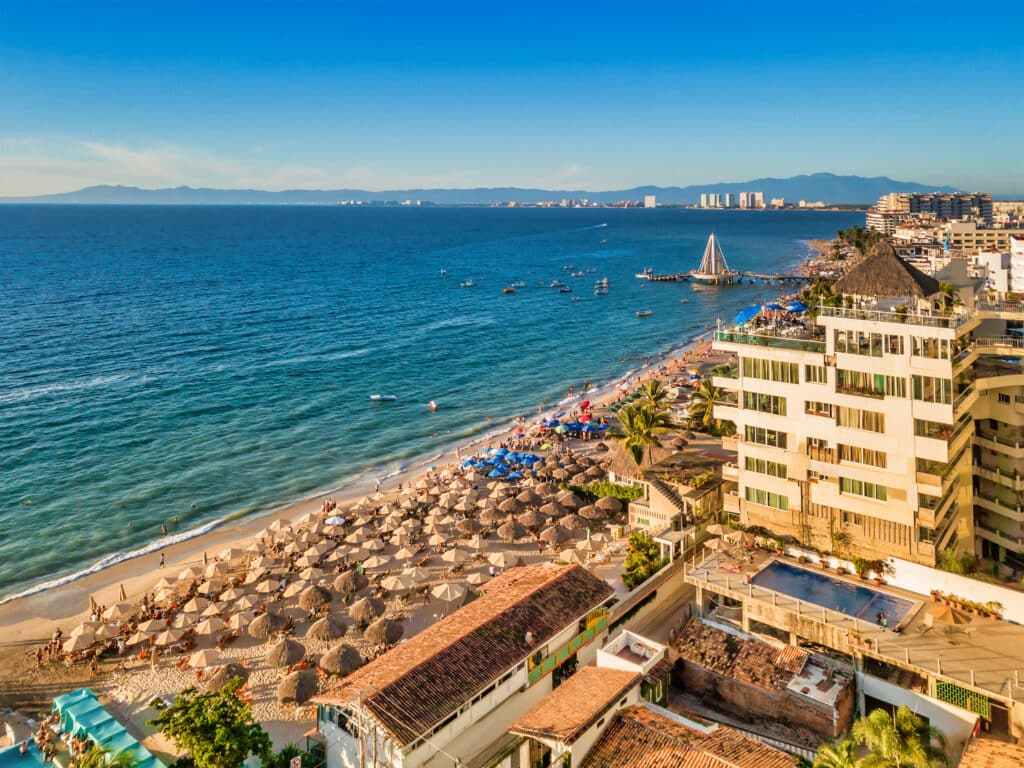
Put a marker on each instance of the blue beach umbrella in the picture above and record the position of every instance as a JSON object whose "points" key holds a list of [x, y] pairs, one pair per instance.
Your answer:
{"points": [[774, 307], [501, 452], [553, 423], [796, 307], [514, 475], [746, 315], [469, 463], [494, 473], [603, 427]]}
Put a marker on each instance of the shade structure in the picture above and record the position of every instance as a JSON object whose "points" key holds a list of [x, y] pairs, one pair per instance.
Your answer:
{"points": [[398, 583], [569, 500], [205, 658], [213, 609], [553, 509], [491, 517], [246, 603], [373, 545], [477, 578], [169, 637], [609, 504], [118, 611], [190, 573], [448, 593], [327, 628], [341, 660], [716, 544], [266, 624], [530, 498], [554, 534], [588, 545], [363, 611], [196, 605], [437, 540], [384, 631], [531, 518], [747, 314], [216, 569], [573, 556], [79, 642], [350, 582], [314, 598], [511, 531], [572, 522], [298, 687], [511, 506], [948, 615], [311, 574], [231, 555], [405, 553], [210, 587], [241, 620], [286, 652], [796, 307], [224, 674], [592, 513], [501, 560], [456, 556], [210, 626], [376, 562], [267, 586], [468, 526], [164, 583], [419, 575], [717, 529]]}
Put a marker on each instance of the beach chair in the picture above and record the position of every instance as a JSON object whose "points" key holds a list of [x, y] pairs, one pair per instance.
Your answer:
{"points": [[929, 623]]}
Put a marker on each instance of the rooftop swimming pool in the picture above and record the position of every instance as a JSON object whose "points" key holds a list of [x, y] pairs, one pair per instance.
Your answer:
{"points": [[11, 757], [834, 594]]}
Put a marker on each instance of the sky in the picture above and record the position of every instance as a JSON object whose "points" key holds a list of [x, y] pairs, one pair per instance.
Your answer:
{"points": [[391, 95]]}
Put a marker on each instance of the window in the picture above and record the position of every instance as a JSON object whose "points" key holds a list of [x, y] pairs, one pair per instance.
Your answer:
{"points": [[860, 488], [856, 418], [929, 389], [816, 374], [771, 370], [766, 498], [1003, 398], [765, 403], [925, 346], [859, 455], [764, 467], [818, 409], [763, 436], [859, 343], [870, 384], [893, 344], [852, 518]]}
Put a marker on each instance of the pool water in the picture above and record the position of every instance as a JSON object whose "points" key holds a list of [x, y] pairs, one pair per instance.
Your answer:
{"points": [[832, 593], [12, 758]]}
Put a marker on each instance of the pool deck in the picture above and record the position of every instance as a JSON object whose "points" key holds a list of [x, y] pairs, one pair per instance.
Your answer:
{"points": [[983, 655]]}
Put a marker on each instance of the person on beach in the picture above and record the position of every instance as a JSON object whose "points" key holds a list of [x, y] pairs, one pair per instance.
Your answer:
{"points": [[163, 529], [161, 559]]}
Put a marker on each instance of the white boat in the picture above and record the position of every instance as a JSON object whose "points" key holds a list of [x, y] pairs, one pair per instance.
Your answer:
{"points": [[467, 283], [557, 284], [600, 291], [644, 313], [383, 398], [602, 283], [519, 284], [645, 275], [444, 273]]}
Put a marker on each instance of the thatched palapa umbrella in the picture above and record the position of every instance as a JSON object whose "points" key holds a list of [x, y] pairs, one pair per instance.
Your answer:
{"points": [[882, 273], [225, 674], [468, 526], [363, 611], [286, 652], [491, 517], [341, 660], [554, 534], [314, 598], [384, 631], [511, 506], [511, 531], [572, 522], [609, 504], [266, 624], [592, 513], [298, 687], [327, 628], [570, 500], [351, 582], [532, 518]]}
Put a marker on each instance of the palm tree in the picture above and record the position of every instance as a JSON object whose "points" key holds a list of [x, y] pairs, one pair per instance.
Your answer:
{"points": [[839, 754], [100, 757], [901, 740], [654, 395], [949, 296], [640, 429], [702, 410]]}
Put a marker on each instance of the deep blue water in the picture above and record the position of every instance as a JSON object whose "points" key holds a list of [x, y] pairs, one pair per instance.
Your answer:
{"points": [[831, 593], [200, 362]]}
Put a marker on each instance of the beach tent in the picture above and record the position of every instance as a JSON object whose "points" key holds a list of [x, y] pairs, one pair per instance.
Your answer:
{"points": [[746, 315], [774, 307], [796, 307]]}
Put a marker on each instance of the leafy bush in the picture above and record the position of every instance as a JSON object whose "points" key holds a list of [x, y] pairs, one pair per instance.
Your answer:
{"points": [[643, 560]]}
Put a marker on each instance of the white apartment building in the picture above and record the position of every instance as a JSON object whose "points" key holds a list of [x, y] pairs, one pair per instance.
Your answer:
{"points": [[1017, 264], [650, 201], [447, 696]]}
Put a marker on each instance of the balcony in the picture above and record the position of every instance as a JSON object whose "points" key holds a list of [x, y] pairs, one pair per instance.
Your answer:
{"points": [[771, 342], [1016, 544], [846, 389], [731, 503], [816, 453], [928, 320], [539, 665], [965, 399], [1003, 477]]}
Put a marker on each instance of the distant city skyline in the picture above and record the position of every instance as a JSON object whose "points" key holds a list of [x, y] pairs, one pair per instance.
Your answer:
{"points": [[318, 95]]}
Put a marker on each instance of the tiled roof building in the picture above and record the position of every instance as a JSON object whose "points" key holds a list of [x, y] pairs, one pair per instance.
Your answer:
{"points": [[989, 753]]}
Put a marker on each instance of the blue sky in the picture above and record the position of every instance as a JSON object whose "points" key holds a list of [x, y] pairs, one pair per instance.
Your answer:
{"points": [[596, 96]]}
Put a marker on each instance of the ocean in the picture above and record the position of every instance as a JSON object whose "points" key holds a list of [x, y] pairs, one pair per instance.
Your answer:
{"points": [[205, 363]]}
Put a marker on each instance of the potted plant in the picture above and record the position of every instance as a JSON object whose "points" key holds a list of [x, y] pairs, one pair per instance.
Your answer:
{"points": [[994, 608], [878, 566], [823, 562], [861, 566], [936, 595]]}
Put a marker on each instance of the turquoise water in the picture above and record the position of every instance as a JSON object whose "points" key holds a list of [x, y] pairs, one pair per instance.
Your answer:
{"points": [[163, 362]]}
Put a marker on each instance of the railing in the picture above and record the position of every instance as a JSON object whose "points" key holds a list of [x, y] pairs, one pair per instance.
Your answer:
{"points": [[846, 389], [1001, 341], [962, 397], [996, 438], [1000, 306], [908, 318], [1000, 535], [596, 621], [994, 499], [774, 342]]}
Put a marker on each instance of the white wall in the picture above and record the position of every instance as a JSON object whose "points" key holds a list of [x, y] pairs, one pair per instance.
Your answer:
{"points": [[922, 580], [957, 724]]}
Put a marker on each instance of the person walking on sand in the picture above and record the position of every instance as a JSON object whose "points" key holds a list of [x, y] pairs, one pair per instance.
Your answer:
{"points": [[161, 559]]}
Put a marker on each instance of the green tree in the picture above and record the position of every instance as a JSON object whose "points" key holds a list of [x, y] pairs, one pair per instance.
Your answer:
{"points": [[100, 757], [643, 559], [839, 754], [702, 407], [900, 740], [283, 758], [216, 728], [654, 395], [640, 427]]}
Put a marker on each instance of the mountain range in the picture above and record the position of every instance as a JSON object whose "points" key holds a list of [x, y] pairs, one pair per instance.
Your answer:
{"points": [[827, 187]]}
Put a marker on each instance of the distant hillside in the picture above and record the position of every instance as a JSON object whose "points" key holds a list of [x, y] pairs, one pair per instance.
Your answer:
{"points": [[818, 186]]}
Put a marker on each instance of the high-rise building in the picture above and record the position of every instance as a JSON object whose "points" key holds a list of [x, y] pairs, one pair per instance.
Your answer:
{"points": [[758, 201], [704, 200], [868, 434], [650, 201], [893, 208], [728, 200]]}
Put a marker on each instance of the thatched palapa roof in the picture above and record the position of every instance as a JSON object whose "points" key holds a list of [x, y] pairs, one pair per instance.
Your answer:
{"points": [[884, 274]]}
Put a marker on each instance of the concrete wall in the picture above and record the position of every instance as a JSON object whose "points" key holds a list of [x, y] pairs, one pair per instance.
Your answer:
{"points": [[919, 579], [957, 724]]}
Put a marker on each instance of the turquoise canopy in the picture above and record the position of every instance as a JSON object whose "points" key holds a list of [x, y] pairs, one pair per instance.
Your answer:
{"points": [[82, 714]]}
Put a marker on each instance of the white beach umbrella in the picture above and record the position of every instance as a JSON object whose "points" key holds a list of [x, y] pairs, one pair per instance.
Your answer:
{"points": [[267, 586], [138, 637], [398, 583], [308, 561], [374, 545], [213, 609], [477, 578], [376, 562], [234, 593], [195, 605], [231, 555], [405, 553], [311, 574], [79, 642], [118, 611], [264, 561], [255, 575], [241, 620], [295, 588], [163, 584], [83, 628], [456, 556], [211, 587], [419, 575], [437, 540], [165, 595], [210, 625], [152, 626], [204, 658], [215, 569], [169, 637], [247, 603], [190, 573], [321, 548]]}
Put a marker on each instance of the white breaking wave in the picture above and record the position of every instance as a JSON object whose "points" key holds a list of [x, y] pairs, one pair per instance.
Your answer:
{"points": [[40, 390]]}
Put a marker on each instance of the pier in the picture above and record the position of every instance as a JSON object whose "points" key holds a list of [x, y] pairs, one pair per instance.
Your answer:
{"points": [[766, 277]]}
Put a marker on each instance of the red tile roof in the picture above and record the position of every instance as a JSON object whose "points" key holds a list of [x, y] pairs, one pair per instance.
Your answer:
{"points": [[576, 704], [989, 753], [425, 679], [642, 738]]}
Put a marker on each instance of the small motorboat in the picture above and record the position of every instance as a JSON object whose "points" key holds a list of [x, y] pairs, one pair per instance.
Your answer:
{"points": [[519, 284], [467, 283], [383, 398], [599, 291], [508, 289], [576, 298], [557, 284], [444, 273], [602, 283], [565, 289], [644, 313], [645, 275], [684, 301]]}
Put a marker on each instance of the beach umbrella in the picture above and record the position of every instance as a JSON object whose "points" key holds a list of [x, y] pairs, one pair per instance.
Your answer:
{"points": [[511, 531], [572, 522], [448, 593], [456, 556], [418, 575], [532, 518], [310, 574], [554, 534], [716, 545], [437, 540], [948, 615], [570, 500], [546, 490], [231, 555], [204, 658], [195, 605], [351, 582], [169, 637], [286, 652], [491, 517], [365, 610], [477, 578], [511, 506], [118, 611], [341, 660], [374, 545], [717, 529], [225, 674], [211, 625], [106, 631], [327, 628], [573, 557], [293, 589], [162, 584], [591, 513], [530, 497], [594, 473], [587, 545], [334, 520], [267, 586], [501, 560], [164, 595], [298, 687], [265, 625], [264, 561], [747, 314], [80, 642], [215, 570], [405, 553], [796, 307], [376, 562], [190, 573], [384, 632], [138, 637], [552, 509], [308, 561], [210, 587], [398, 583], [83, 628], [246, 602], [603, 447], [152, 626], [609, 504], [314, 598], [293, 548], [321, 548], [740, 537], [240, 620]]}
